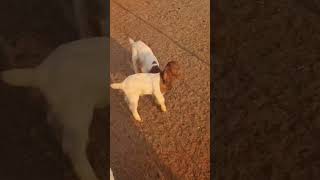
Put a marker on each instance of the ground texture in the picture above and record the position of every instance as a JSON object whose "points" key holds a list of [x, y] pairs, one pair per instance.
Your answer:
{"points": [[175, 144]]}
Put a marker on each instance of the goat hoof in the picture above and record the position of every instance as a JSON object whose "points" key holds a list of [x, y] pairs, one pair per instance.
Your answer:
{"points": [[164, 109], [137, 118]]}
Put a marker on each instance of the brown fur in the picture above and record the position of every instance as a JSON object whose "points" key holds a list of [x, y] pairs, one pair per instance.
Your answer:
{"points": [[170, 73]]}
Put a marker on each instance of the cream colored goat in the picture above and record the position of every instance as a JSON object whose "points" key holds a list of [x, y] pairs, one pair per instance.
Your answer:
{"points": [[73, 79]]}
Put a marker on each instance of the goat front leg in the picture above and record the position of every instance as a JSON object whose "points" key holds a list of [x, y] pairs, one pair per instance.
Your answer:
{"points": [[160, 101], [134, 60]]}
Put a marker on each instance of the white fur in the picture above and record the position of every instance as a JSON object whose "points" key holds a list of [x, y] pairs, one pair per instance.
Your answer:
{"points": [[73, 79], [140, 84], [142, 53]]}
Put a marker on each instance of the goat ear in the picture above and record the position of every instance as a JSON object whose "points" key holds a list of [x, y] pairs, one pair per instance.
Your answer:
{"points": [[165, 75]]}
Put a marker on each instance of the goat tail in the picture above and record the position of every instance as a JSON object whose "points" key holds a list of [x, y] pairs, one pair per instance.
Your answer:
{"points": [[19, 77], [131, 41], [116, 86]]}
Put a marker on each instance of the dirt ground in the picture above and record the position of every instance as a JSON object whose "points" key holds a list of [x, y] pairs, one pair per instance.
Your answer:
{"points": [[172, 145], [267, 90], [175, 144]]}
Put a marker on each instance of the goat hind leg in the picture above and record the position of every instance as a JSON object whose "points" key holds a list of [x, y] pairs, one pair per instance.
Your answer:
{"points": [[76, 122], [76, 150], [133, 106]]}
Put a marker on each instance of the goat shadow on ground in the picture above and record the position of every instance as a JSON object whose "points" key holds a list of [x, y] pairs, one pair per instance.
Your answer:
{"points": [[131, 155]]}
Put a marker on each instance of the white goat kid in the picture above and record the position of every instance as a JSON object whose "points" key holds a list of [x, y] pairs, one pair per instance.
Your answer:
{"points": [[155, 84], [143, 59]]}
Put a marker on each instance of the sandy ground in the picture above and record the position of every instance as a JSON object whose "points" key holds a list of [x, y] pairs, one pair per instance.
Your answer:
{"points": [[175, 144], [172, 145]]}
